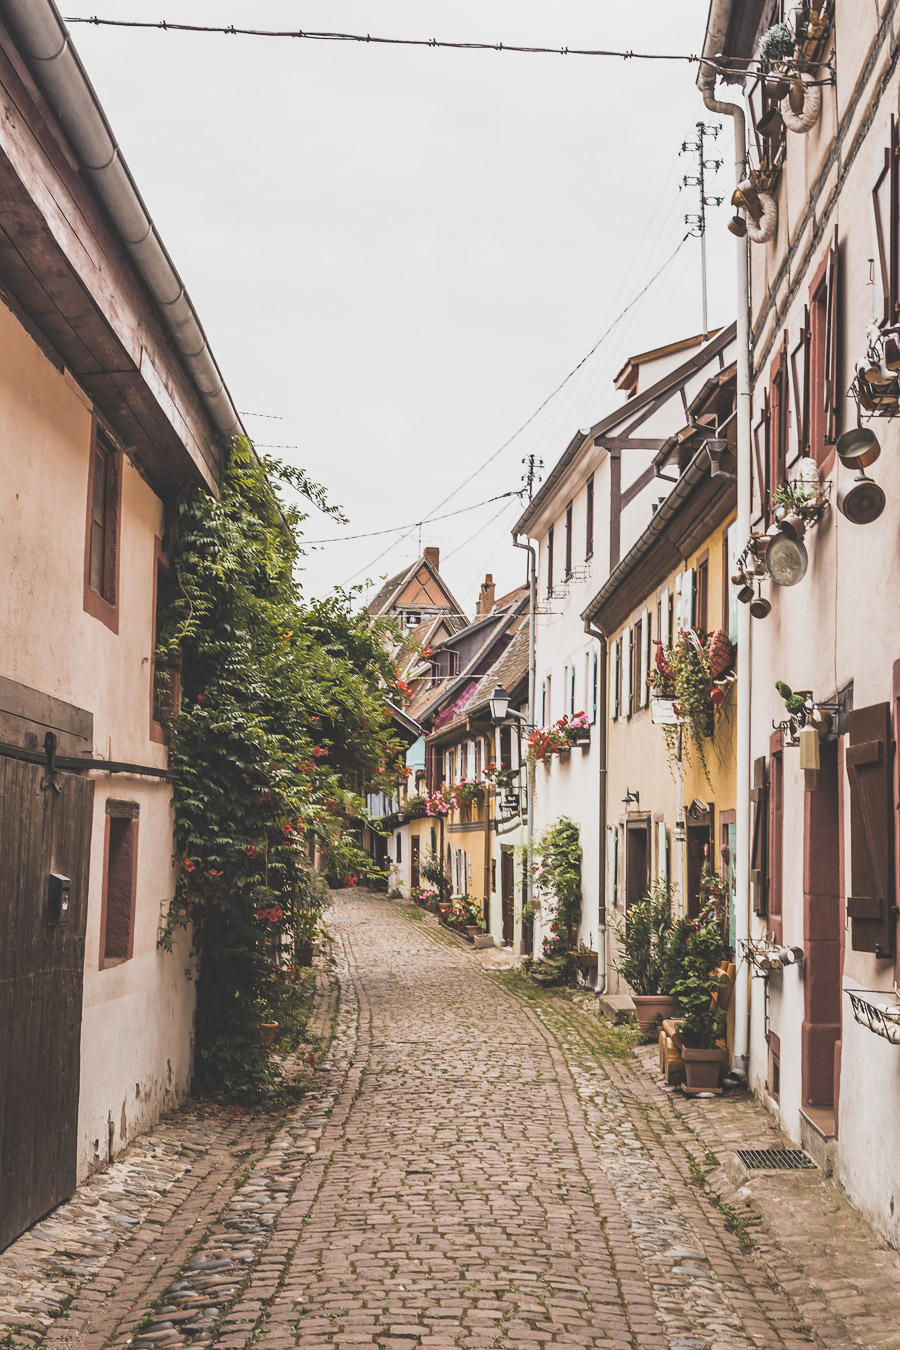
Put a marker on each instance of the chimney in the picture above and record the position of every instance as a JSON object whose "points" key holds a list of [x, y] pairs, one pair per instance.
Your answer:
{"points": [[434, 557], [486, 598]]}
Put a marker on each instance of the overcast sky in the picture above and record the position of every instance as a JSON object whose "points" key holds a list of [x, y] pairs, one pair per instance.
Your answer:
{"points": [[400, 252]]}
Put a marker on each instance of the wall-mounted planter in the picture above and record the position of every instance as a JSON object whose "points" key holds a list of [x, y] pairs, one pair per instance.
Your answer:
{"points": [[878, 1012]]}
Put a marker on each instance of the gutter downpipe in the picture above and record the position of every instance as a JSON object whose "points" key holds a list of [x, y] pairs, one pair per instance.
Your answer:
{"points": [[716, 29], [602, 695], [64, 82], [532, 668]]}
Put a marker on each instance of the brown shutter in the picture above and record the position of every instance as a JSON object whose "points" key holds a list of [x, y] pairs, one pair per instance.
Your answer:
{"points": [[800, 381], [761, 433], [884, 211], [759, 850], [831, 332], [869, 758]]}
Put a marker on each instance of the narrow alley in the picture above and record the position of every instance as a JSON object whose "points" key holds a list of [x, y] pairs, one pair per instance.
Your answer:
{"points": [[475, 1165]]}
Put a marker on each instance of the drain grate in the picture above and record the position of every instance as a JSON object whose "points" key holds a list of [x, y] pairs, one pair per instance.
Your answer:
{"points": [[774, 1159]]}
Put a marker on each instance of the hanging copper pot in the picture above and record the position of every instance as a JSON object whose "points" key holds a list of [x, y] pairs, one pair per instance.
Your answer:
{"points": [[858, 448]]}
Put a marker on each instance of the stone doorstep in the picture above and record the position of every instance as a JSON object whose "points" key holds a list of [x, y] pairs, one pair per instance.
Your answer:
{"points": [[818, 1138], [616, 1008]]}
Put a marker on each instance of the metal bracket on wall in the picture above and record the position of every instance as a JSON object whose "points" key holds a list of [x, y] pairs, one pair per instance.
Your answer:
{"points": [[74, 764]]}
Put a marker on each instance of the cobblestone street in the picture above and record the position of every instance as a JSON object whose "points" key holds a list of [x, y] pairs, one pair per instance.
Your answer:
{"points": [[474, 1166]]}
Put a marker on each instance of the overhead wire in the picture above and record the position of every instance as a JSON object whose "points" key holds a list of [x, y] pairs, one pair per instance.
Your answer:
{"points": [[602, 338], [308, 35], [414, 524]]}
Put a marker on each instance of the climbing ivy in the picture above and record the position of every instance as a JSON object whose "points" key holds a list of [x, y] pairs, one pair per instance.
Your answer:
{"points": [[279, 729]]}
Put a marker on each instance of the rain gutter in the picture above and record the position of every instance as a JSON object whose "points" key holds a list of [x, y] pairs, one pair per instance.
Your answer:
{"points": [[55, 65], [714, 42]]}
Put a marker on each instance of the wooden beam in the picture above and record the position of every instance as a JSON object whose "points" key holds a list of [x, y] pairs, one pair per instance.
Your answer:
{"points": [[629, 442]]}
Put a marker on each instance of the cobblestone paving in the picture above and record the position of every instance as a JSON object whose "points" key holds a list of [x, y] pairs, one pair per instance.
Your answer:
{"points": [[480, 1166]]}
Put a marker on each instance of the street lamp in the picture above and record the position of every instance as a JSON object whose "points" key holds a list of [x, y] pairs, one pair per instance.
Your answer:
{"points": [[499, 704]]}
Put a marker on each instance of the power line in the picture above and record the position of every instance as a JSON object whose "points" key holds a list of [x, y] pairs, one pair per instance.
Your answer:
{"points": [[602, 338], [230, 30], [413, 525]]}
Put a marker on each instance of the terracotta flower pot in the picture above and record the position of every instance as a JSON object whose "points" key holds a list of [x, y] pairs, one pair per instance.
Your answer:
{"points": [[651, 1009], [702, 1067], [267, 1033]]}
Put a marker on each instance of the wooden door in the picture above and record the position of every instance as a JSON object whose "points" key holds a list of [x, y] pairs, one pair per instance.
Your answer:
{"points": [[637, 861], [43, 830], [507, 889]]}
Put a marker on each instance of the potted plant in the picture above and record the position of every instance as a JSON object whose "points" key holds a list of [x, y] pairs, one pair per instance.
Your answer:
{"points": [[644, 941], [305, 928], [695, 991]]}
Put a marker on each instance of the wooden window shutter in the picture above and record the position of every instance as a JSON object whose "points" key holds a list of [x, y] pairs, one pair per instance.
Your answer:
{"points": [[688, 589], [884, 196], [831, 332], [627, 671], [645, 659], [800, 384], [613, 863], [869, 759], [759, 843], [761, 433]]}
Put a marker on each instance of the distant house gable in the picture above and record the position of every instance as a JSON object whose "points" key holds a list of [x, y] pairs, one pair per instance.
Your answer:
{"points": [[417, 595]]}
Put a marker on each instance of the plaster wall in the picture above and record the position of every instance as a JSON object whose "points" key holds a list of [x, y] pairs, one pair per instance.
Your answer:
{"points": [[137, 1024], [639, 759], [839, 624]]}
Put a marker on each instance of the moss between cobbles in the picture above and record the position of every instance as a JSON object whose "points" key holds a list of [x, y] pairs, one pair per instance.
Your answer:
{"points": [[600, 1035]]}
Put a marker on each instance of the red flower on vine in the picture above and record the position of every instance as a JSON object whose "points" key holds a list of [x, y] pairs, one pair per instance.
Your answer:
{"points": [[318, 751], [251, 851], [264, 797], [188, 865], [200, 698], [272, 915], [351, 881]]}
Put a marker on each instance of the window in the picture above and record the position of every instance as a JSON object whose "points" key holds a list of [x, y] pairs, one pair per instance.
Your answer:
{"points": [[590, 683], [399, 848], [701, 602], [822, 359], [550, 560], [778, 430], [571, 698], [506, 748], [885, 215], [478, 758], [101, 564], [119, 883], [589, 525], [569, 540]]}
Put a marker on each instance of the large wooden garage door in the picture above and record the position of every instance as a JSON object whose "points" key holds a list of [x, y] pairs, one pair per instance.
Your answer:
{"points": [[44, 829]]}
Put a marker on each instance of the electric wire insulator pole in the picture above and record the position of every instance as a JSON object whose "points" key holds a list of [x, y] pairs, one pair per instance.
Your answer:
{"points": [[697, 220]]}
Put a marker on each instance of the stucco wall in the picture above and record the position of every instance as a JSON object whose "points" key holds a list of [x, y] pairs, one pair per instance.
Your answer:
{"points": [[136, 1030], [640, 762], [839, 624]]}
